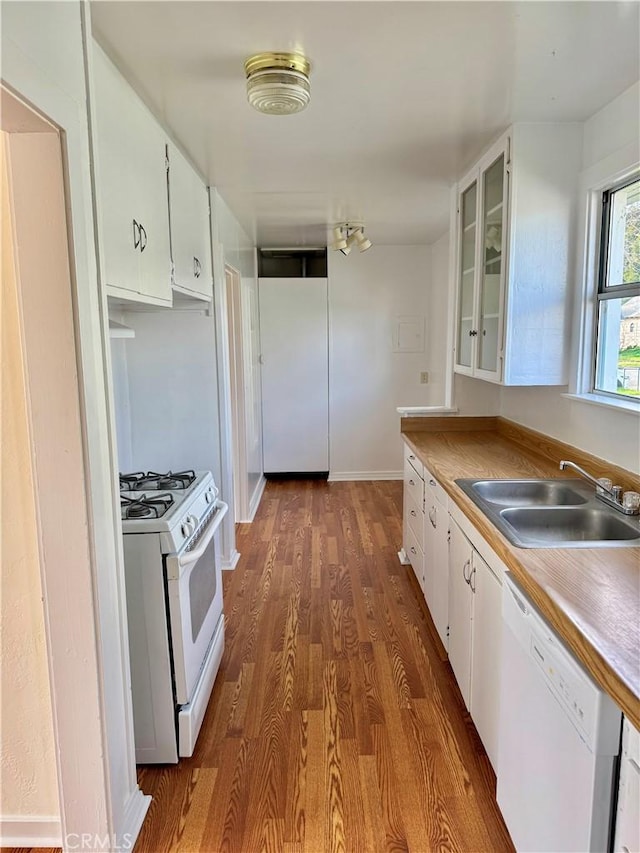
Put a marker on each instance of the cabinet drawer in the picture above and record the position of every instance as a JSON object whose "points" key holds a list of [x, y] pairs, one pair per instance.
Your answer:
{"points": [[413, 484], [412, 459], [438, 491], [415, 555], [415, 518]]}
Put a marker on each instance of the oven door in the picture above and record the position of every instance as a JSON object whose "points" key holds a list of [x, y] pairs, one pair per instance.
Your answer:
{"points": [[194, 580]]}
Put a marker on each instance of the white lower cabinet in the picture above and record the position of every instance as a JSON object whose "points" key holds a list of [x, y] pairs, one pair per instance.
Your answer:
{"points": [[627, 832], [460, 609], [413, 515], [436, 557], [485, 654], [475, 594]]}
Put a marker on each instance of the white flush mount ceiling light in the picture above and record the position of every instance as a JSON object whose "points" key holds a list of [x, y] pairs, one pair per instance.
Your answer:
{"points": [[347, 235], [278, 83]]}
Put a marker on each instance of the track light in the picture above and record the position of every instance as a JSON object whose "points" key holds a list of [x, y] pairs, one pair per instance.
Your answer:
{"points": [[339, 241], [363, 243], [346, 236]]}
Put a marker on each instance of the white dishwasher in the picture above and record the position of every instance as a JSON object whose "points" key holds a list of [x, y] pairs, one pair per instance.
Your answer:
{"points": [[559, 737]]}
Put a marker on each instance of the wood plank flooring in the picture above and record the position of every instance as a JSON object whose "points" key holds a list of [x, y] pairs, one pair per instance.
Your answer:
{"points": [[335, 723]]}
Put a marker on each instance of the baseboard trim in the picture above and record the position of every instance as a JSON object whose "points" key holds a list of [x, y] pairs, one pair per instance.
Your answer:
{"points": [[135, 812], [346, 476], [232, 562], [257, 497], [25, 831]]}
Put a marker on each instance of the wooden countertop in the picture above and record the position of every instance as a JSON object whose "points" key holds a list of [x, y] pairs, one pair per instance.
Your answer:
{"points": [[591, 596]]}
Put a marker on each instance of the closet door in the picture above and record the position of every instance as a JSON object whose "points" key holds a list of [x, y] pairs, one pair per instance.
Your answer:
{"points": [[295, 374]]}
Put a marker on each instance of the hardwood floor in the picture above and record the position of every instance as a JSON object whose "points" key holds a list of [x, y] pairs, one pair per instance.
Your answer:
{"points": [[335, 723]]}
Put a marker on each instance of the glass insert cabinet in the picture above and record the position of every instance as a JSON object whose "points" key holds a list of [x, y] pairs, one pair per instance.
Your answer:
{"points": [[482, 217]]}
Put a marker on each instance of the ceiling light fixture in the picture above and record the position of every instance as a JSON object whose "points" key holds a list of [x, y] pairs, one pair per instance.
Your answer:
{"points": [[278, 83], [346, 235], [339, 241]]}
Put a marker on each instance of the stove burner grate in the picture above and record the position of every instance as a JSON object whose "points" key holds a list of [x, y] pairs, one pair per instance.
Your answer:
{"points": [[151, 480], [144, 507]]}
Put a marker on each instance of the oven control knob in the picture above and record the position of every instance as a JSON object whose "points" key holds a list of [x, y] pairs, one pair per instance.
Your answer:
{"points": [[208, 496], [187, 528]]}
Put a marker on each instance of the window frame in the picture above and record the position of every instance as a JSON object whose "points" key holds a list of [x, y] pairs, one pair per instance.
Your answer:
{"points": [[605, 292]]}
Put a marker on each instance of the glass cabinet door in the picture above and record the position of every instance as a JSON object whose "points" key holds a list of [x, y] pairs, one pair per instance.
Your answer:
{"points": [[491, 272], [466, 281]]}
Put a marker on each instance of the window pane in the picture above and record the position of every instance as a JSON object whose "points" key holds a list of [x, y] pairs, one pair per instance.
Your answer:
{"points": [[467, 273], [618, 365], [492, 217], [623, 263]]}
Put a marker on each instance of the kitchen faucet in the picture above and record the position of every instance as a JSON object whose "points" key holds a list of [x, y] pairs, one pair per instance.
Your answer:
{"points": [[612, 496]]}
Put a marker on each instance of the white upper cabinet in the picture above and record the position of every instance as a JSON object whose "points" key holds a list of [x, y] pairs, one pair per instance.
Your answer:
{"points": [[515, 256], [190, 239], [130, 168]]}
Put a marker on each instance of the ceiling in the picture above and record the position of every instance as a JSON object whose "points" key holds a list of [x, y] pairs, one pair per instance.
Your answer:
{"points": [[404, 96]]}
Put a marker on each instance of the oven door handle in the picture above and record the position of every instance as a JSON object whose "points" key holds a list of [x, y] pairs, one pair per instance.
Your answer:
{"points": [[192, 556]]}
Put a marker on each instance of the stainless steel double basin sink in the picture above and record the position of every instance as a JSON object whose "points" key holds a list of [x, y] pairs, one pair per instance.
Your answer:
{"points": [[560, 513]]}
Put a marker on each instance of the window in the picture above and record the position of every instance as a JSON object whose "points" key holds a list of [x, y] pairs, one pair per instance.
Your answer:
{"points": [[617, 368]]}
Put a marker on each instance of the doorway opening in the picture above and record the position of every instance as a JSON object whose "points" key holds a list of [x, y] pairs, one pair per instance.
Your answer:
{"points": [[46, 579], [233, 288]]}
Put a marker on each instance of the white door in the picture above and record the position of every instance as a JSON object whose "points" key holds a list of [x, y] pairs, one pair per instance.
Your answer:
{"points": [[295, 374], [485, 656], [460, 609]]}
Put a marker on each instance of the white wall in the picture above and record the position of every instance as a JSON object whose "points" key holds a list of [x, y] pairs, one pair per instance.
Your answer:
{"points": [[166, 392], [611, 434], [437, 319], [234, 247], [367, 380], [43, 60]]}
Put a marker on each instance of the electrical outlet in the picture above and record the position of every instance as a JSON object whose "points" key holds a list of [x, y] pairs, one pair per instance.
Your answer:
{"points": [[424, 377]]}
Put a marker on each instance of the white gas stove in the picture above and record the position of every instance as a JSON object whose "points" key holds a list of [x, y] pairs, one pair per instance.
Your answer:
{"points": [[173, 505], [170, 524]]}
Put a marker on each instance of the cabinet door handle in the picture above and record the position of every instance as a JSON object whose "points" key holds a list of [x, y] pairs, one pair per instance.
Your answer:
{"points": [[414, 513], [473, 333], [411, 483], [472, 575], [196, 267], [136, 234], [411, 456], [143, 238], [413, 550], [432, 513], [432, 483], [464, 571]]}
